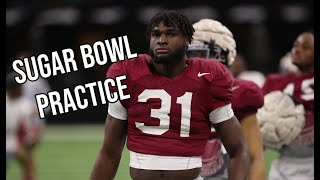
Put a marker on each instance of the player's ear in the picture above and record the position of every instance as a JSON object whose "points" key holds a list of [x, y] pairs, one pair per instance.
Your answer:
{"points": [[186, 41]]}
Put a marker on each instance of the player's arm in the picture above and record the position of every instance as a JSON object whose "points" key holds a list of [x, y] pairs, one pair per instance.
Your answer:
{"points": [[251, 100], [227, 125], [115, 134], [253, 139], [109, 156], [232, 138]]}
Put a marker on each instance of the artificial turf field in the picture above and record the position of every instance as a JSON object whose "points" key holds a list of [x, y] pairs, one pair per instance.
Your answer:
{"points": [[68, 152]]}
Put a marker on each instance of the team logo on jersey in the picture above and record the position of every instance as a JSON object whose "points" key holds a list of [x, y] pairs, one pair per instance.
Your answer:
{"points": [[202, 74]]}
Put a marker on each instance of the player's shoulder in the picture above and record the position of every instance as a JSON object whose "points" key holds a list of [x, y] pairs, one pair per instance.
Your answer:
{"points": [[246, 94], [247, 89], [214, 74], [206, 63], [279, 76], [129, 65], [211, 66], [133, 62], [247, 85]]}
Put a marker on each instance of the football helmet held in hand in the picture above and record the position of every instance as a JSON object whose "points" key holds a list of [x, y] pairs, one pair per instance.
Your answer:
{"points": [[281, 119]]}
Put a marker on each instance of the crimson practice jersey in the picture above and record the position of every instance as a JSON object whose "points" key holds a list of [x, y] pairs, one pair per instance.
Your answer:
{"points": [[170, 117], [301, 87], [247, 98]]}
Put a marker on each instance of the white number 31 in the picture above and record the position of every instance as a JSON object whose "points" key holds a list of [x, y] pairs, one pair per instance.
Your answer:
{"points": [[163, 113]]}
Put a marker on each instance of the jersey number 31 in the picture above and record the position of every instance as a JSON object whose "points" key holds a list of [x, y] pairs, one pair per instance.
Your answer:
{"points": [[163, 113]]}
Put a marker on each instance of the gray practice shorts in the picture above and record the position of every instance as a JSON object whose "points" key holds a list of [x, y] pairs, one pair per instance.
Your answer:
{"points": [[285, 168]]}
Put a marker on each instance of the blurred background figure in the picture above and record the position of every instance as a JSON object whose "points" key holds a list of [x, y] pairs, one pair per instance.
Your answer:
{"points": [[240, 70], [296, 160], [213, 40], [31, 88], [286, 65], [22, 133]]}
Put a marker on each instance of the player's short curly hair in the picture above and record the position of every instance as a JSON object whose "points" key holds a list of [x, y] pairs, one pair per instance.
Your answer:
{"points": [[173, 19]]}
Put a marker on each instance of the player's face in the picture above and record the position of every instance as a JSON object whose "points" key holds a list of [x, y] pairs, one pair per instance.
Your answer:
{"points": [[167, 44], [16, 92], [303, 50]]}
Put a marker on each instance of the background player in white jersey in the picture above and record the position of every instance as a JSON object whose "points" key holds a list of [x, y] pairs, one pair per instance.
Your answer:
{"points": [[173, 103], [215, 41], [296, 160], [32, 88], [20, 133], [239, 70]]}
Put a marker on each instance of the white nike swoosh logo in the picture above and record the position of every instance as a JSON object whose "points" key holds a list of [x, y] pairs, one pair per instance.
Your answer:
{"points": [[234, 88], [202, 74]]}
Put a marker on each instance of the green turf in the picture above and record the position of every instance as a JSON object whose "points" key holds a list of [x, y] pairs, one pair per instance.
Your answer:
{"points": [[69, 152]]}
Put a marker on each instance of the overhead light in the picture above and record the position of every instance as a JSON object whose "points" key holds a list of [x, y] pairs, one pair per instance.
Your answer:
{"points": [[14, 16], [195, 13], [247, 14], [108, 15], [294, 13], [146, 13], [59, 16]]}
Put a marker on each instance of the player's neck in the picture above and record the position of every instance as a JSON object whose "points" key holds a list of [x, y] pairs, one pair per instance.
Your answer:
{"points": [[13, 96], [306, 70], [170, 70]]}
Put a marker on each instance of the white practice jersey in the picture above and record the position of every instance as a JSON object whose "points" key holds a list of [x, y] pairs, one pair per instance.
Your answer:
{"points": [[18, 111]]}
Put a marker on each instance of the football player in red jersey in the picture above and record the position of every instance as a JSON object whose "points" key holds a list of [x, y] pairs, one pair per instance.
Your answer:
{"points": [[174, 101], [296, 160], [213, 40]]}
